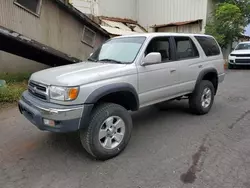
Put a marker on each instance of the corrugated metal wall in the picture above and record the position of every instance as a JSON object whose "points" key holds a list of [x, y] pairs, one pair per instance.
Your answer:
{"points": [[55, 27], [156, 12], [118, 8]]}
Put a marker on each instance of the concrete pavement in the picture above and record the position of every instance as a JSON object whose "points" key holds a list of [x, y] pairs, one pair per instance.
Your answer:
{"points": [[169, 148]]}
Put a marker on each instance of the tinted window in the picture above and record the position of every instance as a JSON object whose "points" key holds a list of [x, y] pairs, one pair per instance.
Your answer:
{"points": [[209, 45], [160, 45], [185, 48]]}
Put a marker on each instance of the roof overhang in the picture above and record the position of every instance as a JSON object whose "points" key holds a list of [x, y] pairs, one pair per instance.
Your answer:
{"points": [[117, 32], [177, 23], [120, 26]]}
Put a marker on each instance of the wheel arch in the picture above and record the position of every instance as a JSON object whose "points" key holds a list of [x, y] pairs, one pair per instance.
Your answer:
{"points": [[209, 74], [124, 90], [111, 94]]}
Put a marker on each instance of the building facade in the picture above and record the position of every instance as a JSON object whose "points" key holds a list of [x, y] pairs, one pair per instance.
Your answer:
{"points": [[52, 26], [155, 15]]}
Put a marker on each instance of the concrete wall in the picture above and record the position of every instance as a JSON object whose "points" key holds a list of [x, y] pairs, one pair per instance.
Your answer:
{"points": [[86, 6], [15, 64], [210, 8], [54, 27]]}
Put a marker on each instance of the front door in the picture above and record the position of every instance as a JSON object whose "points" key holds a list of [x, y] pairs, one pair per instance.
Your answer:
{"points": [[157, 82]]}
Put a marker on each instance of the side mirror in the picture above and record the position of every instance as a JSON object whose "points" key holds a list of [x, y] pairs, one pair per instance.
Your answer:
{"points": [[152, 58]]}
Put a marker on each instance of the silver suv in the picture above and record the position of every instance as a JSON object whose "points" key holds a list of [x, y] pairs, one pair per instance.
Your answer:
{"points": [[125, 74]]}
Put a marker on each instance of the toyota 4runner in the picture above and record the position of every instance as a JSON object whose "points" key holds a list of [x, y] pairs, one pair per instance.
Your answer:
{"points": [[125, 74]]}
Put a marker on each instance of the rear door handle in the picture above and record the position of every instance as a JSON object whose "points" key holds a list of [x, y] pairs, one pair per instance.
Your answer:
{"points": [[200, 66]]}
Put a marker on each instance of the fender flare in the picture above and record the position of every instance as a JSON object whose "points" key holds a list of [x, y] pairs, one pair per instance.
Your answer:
{"points": [[101, 92], [112, 88], [203, 73]]}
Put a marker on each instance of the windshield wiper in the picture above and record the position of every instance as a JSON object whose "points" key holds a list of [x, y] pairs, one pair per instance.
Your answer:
{"points": [[112, 60]]}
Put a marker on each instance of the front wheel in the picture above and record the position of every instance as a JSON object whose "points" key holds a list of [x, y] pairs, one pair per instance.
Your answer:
{"points": [[230, 66], [201, 100], [108, 133]]}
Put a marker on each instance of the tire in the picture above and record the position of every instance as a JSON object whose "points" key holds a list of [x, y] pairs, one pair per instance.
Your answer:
{"points": [[196, 100], [230, 66], [96, 138]]}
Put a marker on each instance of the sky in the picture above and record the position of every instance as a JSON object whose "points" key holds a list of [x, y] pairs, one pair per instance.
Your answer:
{"points": [[247, 32]]}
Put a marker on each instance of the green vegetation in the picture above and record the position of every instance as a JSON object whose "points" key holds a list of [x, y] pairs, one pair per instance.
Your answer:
{"points": [[15, 85], [228, 21]]}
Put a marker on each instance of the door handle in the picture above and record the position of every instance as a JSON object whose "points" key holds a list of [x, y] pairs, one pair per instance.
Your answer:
{"points": [[200, 66], [172, 70]]}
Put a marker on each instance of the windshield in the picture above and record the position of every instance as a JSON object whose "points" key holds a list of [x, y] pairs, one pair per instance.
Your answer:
{"points": [[119, 50], [243, 46]]}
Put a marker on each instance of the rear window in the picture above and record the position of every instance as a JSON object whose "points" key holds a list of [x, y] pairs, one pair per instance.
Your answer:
{"points": [[209, 45]]}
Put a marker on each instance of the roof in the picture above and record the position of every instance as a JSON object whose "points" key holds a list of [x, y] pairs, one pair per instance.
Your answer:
{"points": [[159, 34], [116, 31], [75, 12], [124, 20], [120, 26], [177, 23]]}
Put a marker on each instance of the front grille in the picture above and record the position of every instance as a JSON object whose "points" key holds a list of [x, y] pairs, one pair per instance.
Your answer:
{"points": [[39, 87], [242, 60], [241, 55], [38, 90]]}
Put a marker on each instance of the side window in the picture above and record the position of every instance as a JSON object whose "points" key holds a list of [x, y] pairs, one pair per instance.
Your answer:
{"points": [[185, 48], [33, 6], [88, 36], [161, 45], [209, 45]]}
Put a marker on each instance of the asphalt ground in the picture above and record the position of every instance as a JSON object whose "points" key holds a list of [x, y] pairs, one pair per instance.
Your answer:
{"points": [[168, 148]]}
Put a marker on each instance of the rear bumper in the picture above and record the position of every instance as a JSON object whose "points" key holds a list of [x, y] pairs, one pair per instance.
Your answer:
{"points": [[67, 118]]}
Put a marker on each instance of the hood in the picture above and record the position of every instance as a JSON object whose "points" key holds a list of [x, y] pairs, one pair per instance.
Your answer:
{"points": [[240, 52], [80, 73]]}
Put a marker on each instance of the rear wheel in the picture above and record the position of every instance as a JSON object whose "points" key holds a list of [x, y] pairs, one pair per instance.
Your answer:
{"points": [[108, 133], [201, 100]]}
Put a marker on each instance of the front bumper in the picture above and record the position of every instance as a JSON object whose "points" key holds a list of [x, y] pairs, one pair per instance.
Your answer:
{"points": [[239, 61], [67, 118]]}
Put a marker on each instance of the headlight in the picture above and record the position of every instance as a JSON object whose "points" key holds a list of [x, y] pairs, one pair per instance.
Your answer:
{"points": [[64, 93]]}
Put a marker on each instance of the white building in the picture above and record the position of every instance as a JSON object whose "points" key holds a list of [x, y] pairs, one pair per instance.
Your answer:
{"points": [[154, 15]]}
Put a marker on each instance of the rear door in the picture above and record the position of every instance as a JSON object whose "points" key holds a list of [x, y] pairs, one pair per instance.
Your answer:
{"points": [[190, 62], [212, 52]]}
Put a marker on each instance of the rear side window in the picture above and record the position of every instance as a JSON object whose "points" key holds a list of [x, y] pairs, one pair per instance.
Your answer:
{"points": [[209, 45], [185, 48]]}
